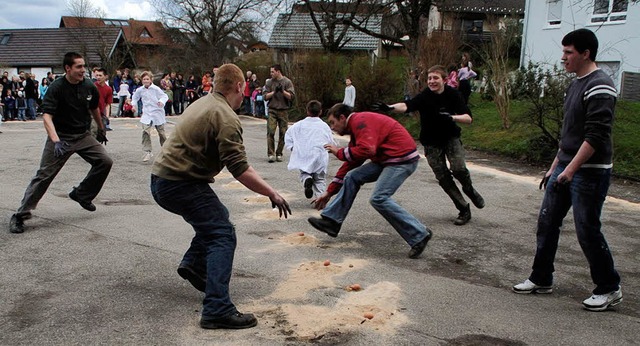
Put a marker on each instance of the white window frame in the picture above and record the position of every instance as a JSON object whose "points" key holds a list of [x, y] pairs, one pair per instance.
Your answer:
{"points": [[609, 17], [554, 22]]}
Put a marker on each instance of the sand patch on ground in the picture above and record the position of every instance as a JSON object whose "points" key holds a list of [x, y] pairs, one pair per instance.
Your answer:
{"points": [[257, 199], [300, 238], [310, 322], [224, 175]]}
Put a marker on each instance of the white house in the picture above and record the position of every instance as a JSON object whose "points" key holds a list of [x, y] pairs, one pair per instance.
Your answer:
{"points": [[615, 22]]}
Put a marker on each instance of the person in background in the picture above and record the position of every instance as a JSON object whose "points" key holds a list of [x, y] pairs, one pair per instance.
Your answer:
{"points": [[280, 93], [153, 101], [106, 98], [579, 176], [465, 74], [349, 93], [44, 86], [452, 78], [208, 139], [123, 94], [206, 83]]}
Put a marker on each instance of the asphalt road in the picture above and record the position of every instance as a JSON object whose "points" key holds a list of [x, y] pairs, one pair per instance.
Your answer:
{"points": [[108, 277]]}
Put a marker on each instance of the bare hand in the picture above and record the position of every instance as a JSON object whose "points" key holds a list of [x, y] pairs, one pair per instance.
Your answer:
{"points": [[283, 206], [321, 202], [331, 148], [160, 104]]}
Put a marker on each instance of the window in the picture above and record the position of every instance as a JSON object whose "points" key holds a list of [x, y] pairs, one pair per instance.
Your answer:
{"points": [[605, 11], [554, 12], [5, 39], [145, 33]]}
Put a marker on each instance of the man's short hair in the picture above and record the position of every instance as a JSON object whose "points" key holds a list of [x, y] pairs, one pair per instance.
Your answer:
{"points": [[70, 58], [228, 76], [101, 69], [339, 109], [314, 108], [581, 40], [438, 69], [146, 74], [277, 67]]}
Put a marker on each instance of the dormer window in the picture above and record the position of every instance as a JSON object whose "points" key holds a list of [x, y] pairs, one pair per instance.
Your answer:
{"points": [[5, 39], [145, 33]]}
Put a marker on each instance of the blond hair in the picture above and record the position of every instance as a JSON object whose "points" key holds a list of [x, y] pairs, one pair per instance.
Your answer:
{"points": [[227, 77], [146, 74]]}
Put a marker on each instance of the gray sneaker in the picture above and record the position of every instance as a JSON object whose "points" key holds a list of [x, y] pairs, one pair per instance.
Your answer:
{"points": [[271, 159], [16, 224], [528, 287], [601, 302]]}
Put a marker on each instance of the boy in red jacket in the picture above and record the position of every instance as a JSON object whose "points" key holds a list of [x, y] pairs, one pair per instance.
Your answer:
{"points": [[393, 158]]}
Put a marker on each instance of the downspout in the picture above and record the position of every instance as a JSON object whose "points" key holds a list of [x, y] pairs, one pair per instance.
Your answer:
{"points": [[525, 27]]}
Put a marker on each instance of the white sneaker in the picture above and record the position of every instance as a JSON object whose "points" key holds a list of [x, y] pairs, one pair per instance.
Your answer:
{"points": [[601, 302], [271, 159], [279, 158], [147, 156], [529, 287]]}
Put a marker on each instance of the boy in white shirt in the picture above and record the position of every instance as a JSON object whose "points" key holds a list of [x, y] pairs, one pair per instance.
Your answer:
{"points": [[306, 140], [153, 100]]}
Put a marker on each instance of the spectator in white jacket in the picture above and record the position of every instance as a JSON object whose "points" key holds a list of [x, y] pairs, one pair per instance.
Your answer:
{"points": [[153, 100], [349, 94], [306, 140]]}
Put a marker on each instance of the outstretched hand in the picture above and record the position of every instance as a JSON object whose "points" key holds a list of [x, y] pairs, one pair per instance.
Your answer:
{"points": [[281, 204], [380, 106], [321, 202]]}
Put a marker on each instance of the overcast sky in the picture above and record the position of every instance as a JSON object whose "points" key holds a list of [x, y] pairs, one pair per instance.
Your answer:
{"points": [[21, 14]]}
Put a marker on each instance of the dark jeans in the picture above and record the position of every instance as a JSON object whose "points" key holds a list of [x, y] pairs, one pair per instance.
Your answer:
{"points": [[214, 243], [465, 89], [586, 194], [89, 149]]}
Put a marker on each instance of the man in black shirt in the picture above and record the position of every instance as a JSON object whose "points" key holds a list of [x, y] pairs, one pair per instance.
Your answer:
{"points": [[68, 106], [441, 107]]}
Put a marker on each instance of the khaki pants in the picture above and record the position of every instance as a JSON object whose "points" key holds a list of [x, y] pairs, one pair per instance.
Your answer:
{"points": [[146, 135], [277, 118]]}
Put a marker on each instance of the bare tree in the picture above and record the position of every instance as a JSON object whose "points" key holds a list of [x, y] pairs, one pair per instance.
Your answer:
{"points": [[496, 55], [83, 9], [213, 28]]}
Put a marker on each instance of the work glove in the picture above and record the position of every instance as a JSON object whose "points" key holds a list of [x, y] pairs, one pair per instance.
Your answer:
{"points": [[279, 88], [101, 136], [544, 181], [446, 115], [380, 106], [61, 149]]}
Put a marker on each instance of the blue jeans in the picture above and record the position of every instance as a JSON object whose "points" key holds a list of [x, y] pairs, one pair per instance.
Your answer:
{"points": [[213, 245], [586, 194], [388, 180], [32, 109]]}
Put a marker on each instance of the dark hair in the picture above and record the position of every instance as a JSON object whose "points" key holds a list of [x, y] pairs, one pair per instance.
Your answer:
{"points": [[70, 58], [314, 108], [339, 109], [102, 69], [581, 40], [277, 67]]}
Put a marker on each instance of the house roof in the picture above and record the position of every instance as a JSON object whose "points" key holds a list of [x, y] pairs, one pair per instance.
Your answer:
{"points": [[482, 6], [296, 30], [143, 32], [46, 47]]}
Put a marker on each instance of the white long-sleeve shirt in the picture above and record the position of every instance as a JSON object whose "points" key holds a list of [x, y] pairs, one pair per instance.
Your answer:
{"points": [[350, 96], [150, 97], [306, 140]]}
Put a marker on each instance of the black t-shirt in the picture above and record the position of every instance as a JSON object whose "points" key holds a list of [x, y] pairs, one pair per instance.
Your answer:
{"points": [[435, 126], [70, 105]]}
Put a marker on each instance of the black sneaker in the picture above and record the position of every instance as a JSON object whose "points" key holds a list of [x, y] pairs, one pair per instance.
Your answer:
{"points": [[86, 205], [236, 320], [463, 217], [196, 280], [325, 225], [308, 184], [16, 224], [417, 249]]}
